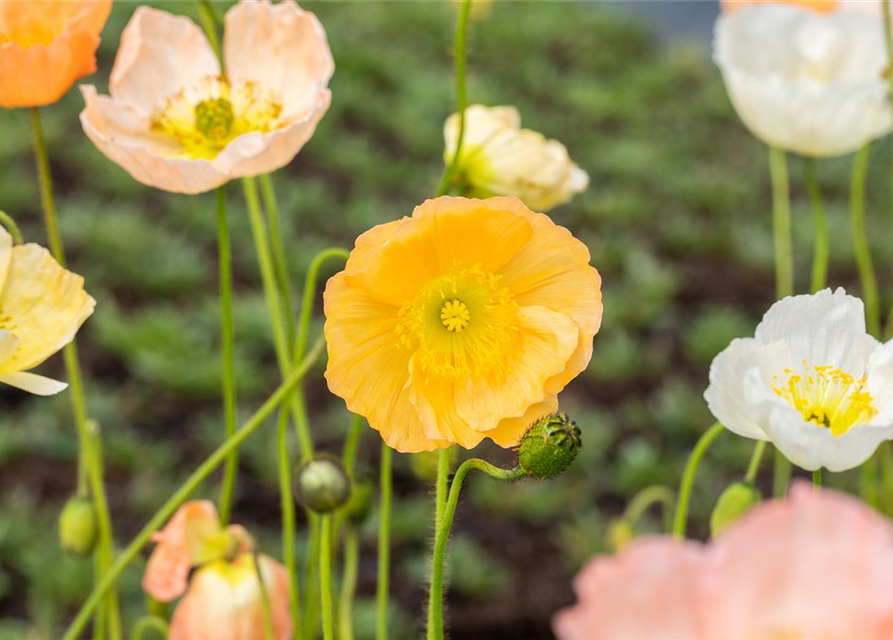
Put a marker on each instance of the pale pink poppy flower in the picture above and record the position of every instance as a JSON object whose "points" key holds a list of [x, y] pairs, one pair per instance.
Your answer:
{"points": [[815, 565], [175, 122]]}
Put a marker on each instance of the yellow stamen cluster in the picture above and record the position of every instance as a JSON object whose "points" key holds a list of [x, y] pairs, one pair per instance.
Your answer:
{"points": [[459, 324], [206, 118], [828, 397]]}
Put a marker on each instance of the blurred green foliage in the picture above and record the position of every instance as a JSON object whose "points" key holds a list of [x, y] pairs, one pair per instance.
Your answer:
{"points": [[676, 217]]}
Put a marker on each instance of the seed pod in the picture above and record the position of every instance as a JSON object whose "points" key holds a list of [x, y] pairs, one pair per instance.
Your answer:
{"points": [[77, 527]]}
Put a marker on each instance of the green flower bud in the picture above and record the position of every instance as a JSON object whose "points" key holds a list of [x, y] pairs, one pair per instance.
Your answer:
{"points": [[360, 504], [734, 502], [77, 527], [424, 464], [322, 484], [549, 446], [620, 534]]}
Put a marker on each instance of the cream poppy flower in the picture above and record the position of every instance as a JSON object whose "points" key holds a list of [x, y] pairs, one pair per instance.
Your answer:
{"points": [[174, 122], [804, 81], [42, 306], [499, 158], [811, 381]]}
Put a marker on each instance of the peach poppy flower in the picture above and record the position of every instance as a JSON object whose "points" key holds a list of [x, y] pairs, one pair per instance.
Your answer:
{"points": [[462, 322], [42, 306], [174, 122], [819, 6], [45, 45], [815, 565], [225, 602]]}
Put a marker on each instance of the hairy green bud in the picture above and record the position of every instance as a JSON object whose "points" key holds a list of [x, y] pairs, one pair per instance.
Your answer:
{"points": [[734, 502], [549, 446], [77, 527], [322, 484]]}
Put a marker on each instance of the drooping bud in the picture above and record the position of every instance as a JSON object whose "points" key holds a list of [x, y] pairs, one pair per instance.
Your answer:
{"points": [[549, 446], [620, 533], [359, 506], [424, 464], [77, 527], [322, 484], [734, 502]]}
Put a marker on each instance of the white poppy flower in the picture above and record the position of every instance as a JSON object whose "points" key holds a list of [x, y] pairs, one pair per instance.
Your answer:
{"points": [[803, 81], [811, 381]]}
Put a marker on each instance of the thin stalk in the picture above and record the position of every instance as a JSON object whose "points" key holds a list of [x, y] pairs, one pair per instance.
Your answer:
{"points": [[10, 225], [93, 460], [688, 478], [266, 608], [227, 337], [886, 457], [310, 285], [460, 55], [348, 584], [440, 486], [888, 41], [781, 222], [150, 623], [287, 504], [817, 479], [211, 463], [209, 23], [435, 600], [860, 242], [655, 494], [822, 245], [325, 577], [868, 482], [757, 457], [277, 244], [384, 545], [781, 475], [352, 445]]}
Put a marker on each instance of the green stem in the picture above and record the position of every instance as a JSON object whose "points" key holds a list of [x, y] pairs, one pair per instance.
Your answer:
{"points": [[460, 55], [435, 600], [147, 623], [93, 460], [781, 475], [352, 445], [647, 497], [266, 608], [311, 581], [817, 478], [688, 478], [781, 223], [277, 244], [227, 336], [384, 544], [886, 457], [325, 577], [822, 246], [440, 486], [186, 489], [755, 460], [310, 284], [888, 41], [868, 481], [860, 242], [10, 225], [209, 24], [288, 517], [348, 584]]}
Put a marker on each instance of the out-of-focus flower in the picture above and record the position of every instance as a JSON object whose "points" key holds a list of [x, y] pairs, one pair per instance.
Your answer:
{"points": [[174, 122], [816, 565], [462, 322], [225, 602], [803, 81], [42, 306], [812, 381], [820, 6], [45, 46], [499, 158]]}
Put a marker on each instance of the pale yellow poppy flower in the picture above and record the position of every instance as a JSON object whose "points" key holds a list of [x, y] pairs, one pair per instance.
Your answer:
{"points": [[42, 306], [174, 122]]}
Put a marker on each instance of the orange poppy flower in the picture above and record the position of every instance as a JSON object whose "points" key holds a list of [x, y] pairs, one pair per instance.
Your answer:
{"points": [[45, 46]]}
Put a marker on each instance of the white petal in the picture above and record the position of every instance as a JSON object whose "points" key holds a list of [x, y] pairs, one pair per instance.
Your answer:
{"points": [[725, 394], [33, 383]]}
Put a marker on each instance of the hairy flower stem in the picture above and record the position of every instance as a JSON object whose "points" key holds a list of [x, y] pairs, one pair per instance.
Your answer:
{"points": [[211, 463], [460, 55], [436, 591], [440, 486], [348, 584], [688, 478], [227, 336], [822, 244], [91, 460], [384, 544]]}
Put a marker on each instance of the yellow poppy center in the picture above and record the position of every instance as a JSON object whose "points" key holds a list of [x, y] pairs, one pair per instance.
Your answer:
{"points": [[828, 397], [206, 118], [459, 324]]}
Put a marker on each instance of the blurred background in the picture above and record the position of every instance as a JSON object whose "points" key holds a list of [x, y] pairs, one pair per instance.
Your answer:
{"points": [[677, 218]]}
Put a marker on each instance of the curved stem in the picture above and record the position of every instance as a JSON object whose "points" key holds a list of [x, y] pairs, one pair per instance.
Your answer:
{"points": [[227, 337], [147, 623], [186, 489], [287, 504], [10, 225], [860, 242], [435, 600], [755, 460], [92, 459], [278, 250], [822, 244], [688, 478], [440, 486], [310, 284], [460, 55], [325, 577], [647, 497], [348, 584], [781, 223], [384, 544]]}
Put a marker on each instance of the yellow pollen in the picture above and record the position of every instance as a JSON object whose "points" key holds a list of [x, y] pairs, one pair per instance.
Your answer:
{"points": [[828, 397], [454, 315]]}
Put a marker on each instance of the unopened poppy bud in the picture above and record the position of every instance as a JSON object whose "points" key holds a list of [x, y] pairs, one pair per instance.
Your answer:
{"points": [[360, 503], [620, 533], [77, 527], [424, 464], [322, 484], [734, 502], [549, 446]]}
